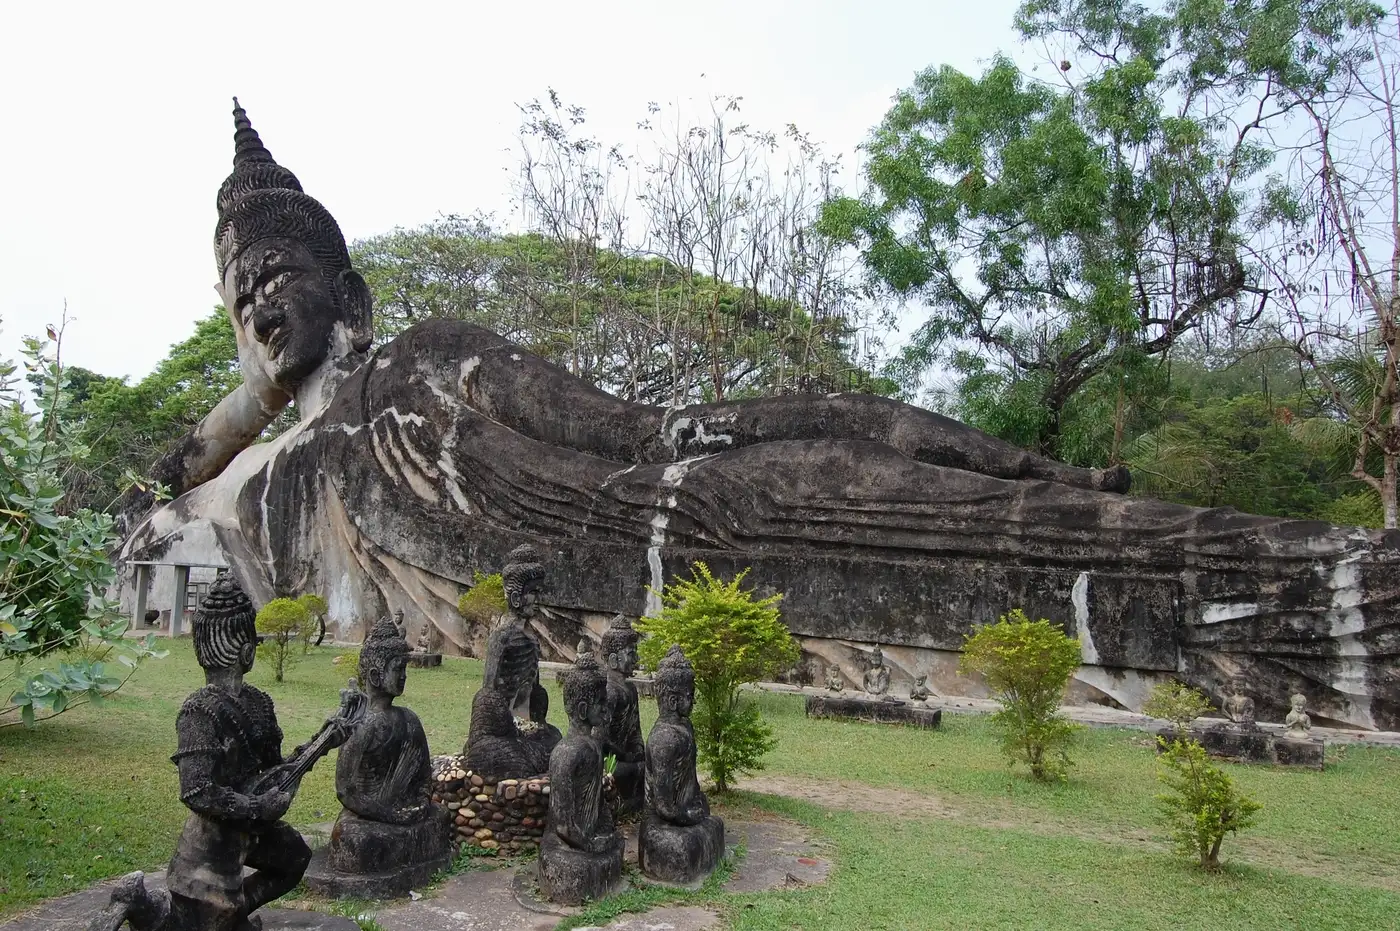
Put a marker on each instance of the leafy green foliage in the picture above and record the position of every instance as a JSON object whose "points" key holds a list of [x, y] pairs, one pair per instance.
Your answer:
{"points": [[1178, 703], [315, 629], [57, 627], [1201, 804], [1027, 665], [485, 600], [731, 638], [1060, 230], [283, 622]]}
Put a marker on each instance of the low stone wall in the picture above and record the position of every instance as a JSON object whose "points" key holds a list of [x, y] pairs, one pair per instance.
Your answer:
{"points": [[508, 816]]}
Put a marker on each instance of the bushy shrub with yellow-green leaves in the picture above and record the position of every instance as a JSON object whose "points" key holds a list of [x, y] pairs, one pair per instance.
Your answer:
{"points": [[485, 600], [731, 638], [283, 623], [1027, 665]]}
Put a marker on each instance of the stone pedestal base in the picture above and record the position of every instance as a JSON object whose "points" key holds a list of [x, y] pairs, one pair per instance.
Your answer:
{"points": [[1252, 745], [682, 855], [572, 877], [425, 660], [371, 860], [855, 708]]}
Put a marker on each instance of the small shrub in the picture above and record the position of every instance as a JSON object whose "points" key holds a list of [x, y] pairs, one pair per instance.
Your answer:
{"points": [[283, 621], [1027, 665], [485, 600], [731, 639], [1176, 703], [315, 630], [1202, 804]]}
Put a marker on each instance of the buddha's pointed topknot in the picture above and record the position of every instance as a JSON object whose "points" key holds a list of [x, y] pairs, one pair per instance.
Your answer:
{"points": [[247, 145]]}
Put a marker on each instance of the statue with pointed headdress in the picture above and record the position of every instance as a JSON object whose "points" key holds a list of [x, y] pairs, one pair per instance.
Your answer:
{"points": [[390, 837], [679, 841], [236, 784], [444, 449], [623, 738]]}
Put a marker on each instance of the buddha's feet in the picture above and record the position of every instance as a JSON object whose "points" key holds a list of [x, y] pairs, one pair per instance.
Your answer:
{"points": [[571, 876], [680, 854]]}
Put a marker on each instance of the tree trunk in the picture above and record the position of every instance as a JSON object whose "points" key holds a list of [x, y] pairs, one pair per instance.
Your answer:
{"points": [[1388, 502]]}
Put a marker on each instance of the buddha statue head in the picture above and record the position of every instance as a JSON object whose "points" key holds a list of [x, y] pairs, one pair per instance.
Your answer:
{"points": [[619, 646], [384, 660], [284, 272], [521, 579], [877, 657], [674, 683], [585, 696], [225, 637]]}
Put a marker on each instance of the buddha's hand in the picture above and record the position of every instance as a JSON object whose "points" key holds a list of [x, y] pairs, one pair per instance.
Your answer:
{"points": [[272, 805]]}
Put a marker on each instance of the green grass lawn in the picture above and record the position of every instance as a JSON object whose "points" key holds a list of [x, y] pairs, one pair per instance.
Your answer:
{"points": [[933, 831]]}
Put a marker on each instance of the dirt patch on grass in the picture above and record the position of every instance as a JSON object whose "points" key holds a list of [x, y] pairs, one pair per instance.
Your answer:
{"points": [[852, 796]]}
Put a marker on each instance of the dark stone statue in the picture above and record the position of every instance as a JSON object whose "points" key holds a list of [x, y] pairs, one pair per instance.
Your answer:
{"points": [[919, 691], [623, 740], [437, 453], [581, 853], [236, 784], [390, 837], [680, 841], [509, 736], [877, 676]]}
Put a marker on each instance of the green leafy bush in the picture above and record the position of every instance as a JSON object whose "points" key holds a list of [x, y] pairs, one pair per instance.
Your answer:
{"points": [[1027, 665], [731, 639], [283, 623], [485, 600], [1202, 804], [57, 628], [315, 630], [1177, 703]]}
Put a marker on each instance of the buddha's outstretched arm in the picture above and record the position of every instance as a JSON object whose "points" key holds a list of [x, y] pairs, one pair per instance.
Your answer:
{"points": [[200, 455], [546, 403]]}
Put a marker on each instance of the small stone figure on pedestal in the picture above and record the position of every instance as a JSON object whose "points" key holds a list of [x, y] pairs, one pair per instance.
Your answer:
{"points": [[1239, 709], [623, 740], [1298, 721], [919, 691], [235, 783], [835, 682], [877, 677], [581, 853], [425, 655], [509, 737], [389, 837], [680, 841]]}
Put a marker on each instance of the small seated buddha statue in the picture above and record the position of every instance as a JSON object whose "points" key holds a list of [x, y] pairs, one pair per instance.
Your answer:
{"points": [[623, 739], [389, 837], [919, 691], [1298, 721], [835, 682], [877, 676], [679, 841], [581, 852]]}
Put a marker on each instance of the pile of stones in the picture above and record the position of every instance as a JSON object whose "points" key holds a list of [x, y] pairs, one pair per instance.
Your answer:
{"points": [[507, 816]]}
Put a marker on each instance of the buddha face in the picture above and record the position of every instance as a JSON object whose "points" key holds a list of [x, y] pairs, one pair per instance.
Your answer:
{"points": [[285, 311], [391, 676], [624, 659]]}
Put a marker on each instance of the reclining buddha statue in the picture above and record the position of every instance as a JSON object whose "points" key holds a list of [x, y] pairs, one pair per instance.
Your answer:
{"points": [[423, 459]]}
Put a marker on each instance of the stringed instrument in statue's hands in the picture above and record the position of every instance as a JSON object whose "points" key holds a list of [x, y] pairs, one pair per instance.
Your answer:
{"points": [[286, 777]]}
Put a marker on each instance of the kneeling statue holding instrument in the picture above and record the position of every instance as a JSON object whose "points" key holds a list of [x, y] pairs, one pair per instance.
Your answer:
{"points": [[237, 786]]}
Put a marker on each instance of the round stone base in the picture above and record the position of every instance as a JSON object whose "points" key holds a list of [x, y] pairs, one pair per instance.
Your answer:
{"points": [[392, 883], [572, 877], [680, 855]]}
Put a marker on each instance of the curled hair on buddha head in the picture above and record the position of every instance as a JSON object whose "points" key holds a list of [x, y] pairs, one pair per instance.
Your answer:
{"points": [[511, 655], [619, 635], [263, 200], [224, 627], [384, 642], [674, 674], [522, 575], [584, 683]]}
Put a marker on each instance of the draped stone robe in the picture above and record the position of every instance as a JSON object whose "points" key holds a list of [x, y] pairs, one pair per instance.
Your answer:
{"points": [[877, 521]]}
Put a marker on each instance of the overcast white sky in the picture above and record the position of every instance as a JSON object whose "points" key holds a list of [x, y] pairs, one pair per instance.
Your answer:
{"points": [[117, 128]]}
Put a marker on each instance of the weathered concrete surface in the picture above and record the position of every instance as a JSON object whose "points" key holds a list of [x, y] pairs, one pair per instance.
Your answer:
{"points": [[684, 918], [864, 708], [480, 900], [780, 854], [75, 912]]}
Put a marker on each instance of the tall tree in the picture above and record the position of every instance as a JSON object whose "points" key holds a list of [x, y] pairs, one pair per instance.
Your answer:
{"points": [[1341, 284], [1061, 228]]}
